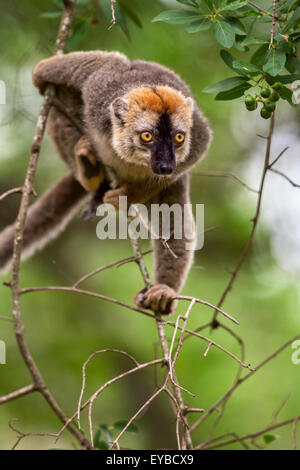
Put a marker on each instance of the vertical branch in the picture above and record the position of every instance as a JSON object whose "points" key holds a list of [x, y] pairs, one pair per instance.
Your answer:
{"points": [[38, 382], [162, 338], [254, 221], [273, 24]]}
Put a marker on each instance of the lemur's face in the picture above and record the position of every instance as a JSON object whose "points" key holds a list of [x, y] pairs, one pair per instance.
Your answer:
{"points": [[152, 127]]}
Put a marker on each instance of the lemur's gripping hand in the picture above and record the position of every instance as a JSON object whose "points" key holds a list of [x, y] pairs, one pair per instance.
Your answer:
{"points": [[88, 169], [160, 298], [134, 194]]}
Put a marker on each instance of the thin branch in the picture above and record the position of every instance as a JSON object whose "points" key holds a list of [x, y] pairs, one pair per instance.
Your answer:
{"points": [[208, 304], [285, 177], [94, 354], [264, 12], [62, 37], [103, 387], [108, 266], [213, 343], [254, 221], [6, 319], [222, 174], [294, 433], [240, 381], [253, 435], [17, 393], [21, 435], [10, 191], [271, 45], [278, 157], [113, 16]]}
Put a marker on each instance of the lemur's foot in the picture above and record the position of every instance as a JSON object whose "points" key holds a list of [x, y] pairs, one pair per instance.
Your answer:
{"points": [[160, 298], [134, 195], [89, 171]]}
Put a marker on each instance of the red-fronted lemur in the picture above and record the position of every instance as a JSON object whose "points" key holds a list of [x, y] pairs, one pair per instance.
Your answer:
{"points": [[140, 119]]}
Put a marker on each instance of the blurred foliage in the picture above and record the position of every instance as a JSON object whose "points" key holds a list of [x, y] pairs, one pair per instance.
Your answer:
{"points": [[63, 329]]}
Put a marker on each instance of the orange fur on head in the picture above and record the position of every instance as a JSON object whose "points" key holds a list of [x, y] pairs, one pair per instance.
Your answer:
{"points": [[161, 100]]}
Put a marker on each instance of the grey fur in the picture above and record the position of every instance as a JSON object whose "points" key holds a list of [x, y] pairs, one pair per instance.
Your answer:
{"points": [[94, 86]]}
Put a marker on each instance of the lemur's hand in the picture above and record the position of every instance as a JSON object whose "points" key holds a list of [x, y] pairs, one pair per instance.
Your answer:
{"points": [[88, 169], [160, 298], [134, 195]]}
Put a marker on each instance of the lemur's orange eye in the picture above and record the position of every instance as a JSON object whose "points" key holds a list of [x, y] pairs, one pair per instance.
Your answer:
{"points": [[179, 138], [146, 136]]}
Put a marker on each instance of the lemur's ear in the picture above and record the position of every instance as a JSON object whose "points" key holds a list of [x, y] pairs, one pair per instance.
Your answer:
{"points": [[119, 109], [190, 103]]}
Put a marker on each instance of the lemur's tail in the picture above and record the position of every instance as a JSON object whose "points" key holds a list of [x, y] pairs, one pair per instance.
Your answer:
{"points": [[45, 220]]}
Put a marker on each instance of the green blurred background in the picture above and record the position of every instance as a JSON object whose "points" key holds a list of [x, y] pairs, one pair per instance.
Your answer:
{"points": [[62, 329]]}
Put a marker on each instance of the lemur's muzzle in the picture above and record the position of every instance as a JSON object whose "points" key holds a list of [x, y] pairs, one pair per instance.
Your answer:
{"points": [[163, 161]]}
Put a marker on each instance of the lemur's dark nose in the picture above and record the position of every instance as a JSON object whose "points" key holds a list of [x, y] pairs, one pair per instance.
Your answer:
{"points": [[165, 168]]}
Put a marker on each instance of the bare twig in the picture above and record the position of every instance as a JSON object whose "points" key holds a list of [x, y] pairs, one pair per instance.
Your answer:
{"points": [[18, 393], [253, 435], [285, 177], [62, 36], [103, 387], [241, 380], [21, 435], [278, 157], [9, 192], [294, 433], [221, 174], [254, 221], [271, 45], [108, 266], [94, 354], [113, 16]]}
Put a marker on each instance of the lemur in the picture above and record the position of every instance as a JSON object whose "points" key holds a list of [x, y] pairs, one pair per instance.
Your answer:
{"points": [[139, 119]]}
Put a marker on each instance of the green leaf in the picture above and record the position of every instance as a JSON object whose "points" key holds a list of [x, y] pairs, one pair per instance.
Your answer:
{"points": [[270, 438], [102, 445], [236, 92], [78, 33], [295, 63], [237, 25], [234, 5], [284, 79], [51, 14], [130, 13], [199, 25], [259, 55], [121, 425], [229, 59], [58, 3], [224, 33], [120, 18], [252, 40], [239, 44], [177, 16], [97, 437], [274, 62], [286, 6], [287, 94], [107, 433], [224, 85], [209, 4], [246, 67], [190, 3], [292, 21]]}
